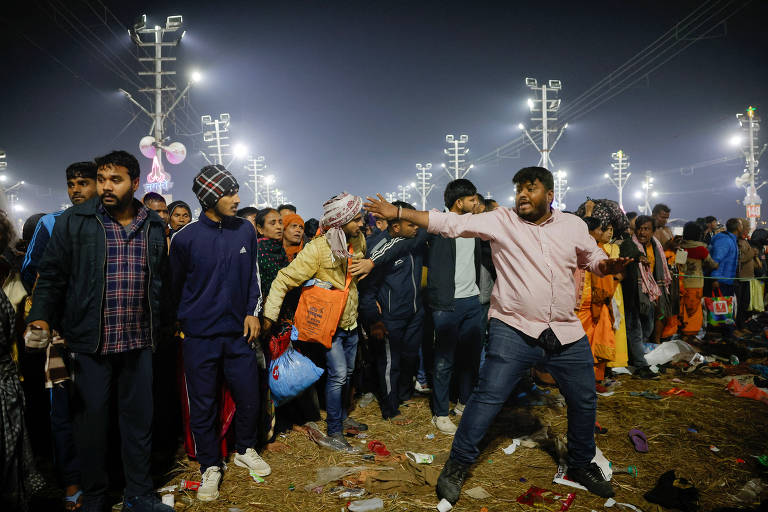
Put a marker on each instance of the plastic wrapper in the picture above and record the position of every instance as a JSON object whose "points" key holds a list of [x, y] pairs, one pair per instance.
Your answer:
{"points": [[544, 499]]}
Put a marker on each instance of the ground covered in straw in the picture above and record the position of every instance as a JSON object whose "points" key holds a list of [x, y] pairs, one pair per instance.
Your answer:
{"points": [[681, 432]]}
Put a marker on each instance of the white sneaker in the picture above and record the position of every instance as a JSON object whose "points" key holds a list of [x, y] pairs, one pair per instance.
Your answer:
{"points": [[251, 461], [422, 388], [209, 484], [458, 409], [444, 425]]}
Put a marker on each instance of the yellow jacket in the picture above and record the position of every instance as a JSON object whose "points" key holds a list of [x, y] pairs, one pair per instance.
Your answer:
{"points": [[314, 261]]}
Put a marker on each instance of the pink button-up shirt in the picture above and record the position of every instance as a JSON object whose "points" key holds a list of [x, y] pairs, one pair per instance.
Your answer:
{"points": [[535, 266]]}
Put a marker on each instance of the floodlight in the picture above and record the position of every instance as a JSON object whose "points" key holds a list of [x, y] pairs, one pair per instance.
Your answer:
{"points": [[196, 76], [140, 23], [555, 85], [173, 22], [531, 82]]}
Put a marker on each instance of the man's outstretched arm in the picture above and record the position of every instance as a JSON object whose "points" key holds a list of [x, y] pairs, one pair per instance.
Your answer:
{"points": [[383, 208]]}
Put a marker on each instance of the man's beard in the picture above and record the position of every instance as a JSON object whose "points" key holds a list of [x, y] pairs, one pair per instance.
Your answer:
{"points": [[538, 212]]}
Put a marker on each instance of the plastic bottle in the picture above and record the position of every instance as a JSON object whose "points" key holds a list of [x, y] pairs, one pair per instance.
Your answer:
{"points": [[366, 505], [751, 491]]}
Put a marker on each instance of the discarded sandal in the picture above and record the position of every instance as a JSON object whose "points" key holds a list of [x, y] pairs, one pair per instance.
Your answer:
{"points": [[639, 440], [646, 394], [677, 392]]}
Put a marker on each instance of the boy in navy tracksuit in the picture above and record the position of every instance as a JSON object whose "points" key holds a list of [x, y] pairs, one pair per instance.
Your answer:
{"points": [[216, 286], [391, 307]]}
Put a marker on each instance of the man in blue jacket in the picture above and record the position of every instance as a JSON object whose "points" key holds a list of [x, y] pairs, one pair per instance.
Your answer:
{"points": [[724, 249], [391, 306], [215, 283], [99, 284]]}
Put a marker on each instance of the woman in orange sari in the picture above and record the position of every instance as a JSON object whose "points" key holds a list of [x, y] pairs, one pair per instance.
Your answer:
{"points": [[693, 281], [594, 309]]}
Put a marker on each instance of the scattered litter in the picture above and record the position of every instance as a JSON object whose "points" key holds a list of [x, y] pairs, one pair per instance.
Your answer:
{"points": [[366, 505], [331, 474], [352, 493], [670, 351], [169, 488], [751, 491], [610, 502], [444, 505], [599, 429], [361, 435], [167, 499], [234, 509], [429, 436], [693, 430], [621, 370], [714, 448], [509, 450], [678, 381], [256, 478], [420, 458], [522, 479], [291, 487], [490, 461], [676, 392], [607, 393], [378, 448], [740, 461], [189, 485], [478, 493], [674, 492], [734, 360], [544, 498]]}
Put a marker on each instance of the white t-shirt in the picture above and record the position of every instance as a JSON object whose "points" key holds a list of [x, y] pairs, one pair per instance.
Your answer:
{"points": [[464, 277]]}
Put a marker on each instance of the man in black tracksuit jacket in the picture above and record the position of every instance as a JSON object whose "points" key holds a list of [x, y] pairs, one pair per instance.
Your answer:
{"points": [[391, 307]]}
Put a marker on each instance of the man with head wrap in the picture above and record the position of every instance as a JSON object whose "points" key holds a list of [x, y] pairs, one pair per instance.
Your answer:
{"points": [[329, 258], [215, 283]]}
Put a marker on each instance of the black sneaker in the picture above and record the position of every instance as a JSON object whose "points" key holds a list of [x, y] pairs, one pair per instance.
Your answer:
{"points": [[350, 423], [645, 373], [450, 480], [592, 478]]}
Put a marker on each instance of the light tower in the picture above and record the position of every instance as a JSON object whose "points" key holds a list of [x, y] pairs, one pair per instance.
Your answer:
{"points": [[402, 193], [750, 126], [215, 134], [545, 105], [456, 152], [255, 167], [269, 180], [620, 176], [153, 145], [647, 193], [561, 188], [424, 186]]}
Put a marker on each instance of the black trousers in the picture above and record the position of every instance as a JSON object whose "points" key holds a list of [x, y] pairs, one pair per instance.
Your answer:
{"points": [[94, 377]]}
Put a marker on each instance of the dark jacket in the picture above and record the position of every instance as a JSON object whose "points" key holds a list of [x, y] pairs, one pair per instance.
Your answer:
{"points": [[395, 282], [70, 288], [441, 277], [215, 276]]}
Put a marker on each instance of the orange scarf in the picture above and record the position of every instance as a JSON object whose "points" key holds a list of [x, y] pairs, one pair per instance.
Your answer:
{"points": [[292, 250]]}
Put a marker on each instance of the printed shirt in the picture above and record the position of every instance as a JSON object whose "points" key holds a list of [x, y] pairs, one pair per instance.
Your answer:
{"points": [[535, 266], [125, 324]]}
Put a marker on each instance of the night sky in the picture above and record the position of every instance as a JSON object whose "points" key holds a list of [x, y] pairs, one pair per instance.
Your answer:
{"points": [[349, 96]]}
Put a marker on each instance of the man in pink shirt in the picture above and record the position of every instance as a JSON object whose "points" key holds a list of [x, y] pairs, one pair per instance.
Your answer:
{"points": [[535, 250]]}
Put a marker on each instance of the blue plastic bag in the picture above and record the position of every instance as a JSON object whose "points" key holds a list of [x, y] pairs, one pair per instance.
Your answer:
{"points": [[290, 374]]}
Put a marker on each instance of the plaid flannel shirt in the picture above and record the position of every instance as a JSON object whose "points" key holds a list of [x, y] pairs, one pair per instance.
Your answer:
{"points": [[125, 324]]}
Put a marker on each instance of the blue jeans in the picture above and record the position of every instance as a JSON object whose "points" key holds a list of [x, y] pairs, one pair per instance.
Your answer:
{"points": [[509, 356], [458, 331], [639, 330], [340, 363]]}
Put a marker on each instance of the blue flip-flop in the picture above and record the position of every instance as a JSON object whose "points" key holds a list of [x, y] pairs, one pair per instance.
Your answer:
{"points": [[74, 499]]}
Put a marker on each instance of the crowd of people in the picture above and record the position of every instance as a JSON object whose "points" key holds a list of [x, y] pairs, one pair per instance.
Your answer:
{"points": [[133, 312]]}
